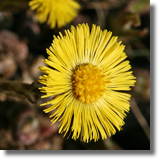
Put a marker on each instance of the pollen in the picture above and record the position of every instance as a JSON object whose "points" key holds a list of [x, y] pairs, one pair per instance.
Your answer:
{"points": [[89, 83]]}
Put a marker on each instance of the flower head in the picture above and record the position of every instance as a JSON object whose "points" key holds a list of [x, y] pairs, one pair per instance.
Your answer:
{"points": [[88, 72], [55, 11]]}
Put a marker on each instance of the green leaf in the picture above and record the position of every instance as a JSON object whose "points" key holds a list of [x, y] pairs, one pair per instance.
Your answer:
{"points": [[139, 5]]}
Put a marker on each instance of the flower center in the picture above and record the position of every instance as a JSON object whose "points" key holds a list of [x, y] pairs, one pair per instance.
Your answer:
{"points": [[89, 83]]}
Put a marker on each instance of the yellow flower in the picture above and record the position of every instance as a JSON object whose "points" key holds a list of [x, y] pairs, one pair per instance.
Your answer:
{"points": [[56, 11], [88, 72]]}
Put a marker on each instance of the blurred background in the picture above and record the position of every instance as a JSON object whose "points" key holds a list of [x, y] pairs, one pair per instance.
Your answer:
{"points": [[23, 43]]}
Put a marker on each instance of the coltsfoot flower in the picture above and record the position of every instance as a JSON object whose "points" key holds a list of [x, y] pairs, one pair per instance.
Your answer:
{"points": [[88, 74], [55, 11]]}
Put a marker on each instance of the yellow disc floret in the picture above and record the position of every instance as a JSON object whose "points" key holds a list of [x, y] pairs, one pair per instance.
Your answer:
{"points": [[89, 83]]}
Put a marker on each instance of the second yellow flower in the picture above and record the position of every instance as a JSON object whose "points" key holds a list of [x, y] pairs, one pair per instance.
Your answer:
{"points": [[55, 11]]}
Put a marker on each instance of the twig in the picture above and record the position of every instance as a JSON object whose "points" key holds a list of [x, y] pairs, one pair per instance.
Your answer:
{"points": [[142, 121], [19, 89], [100, 13]]}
